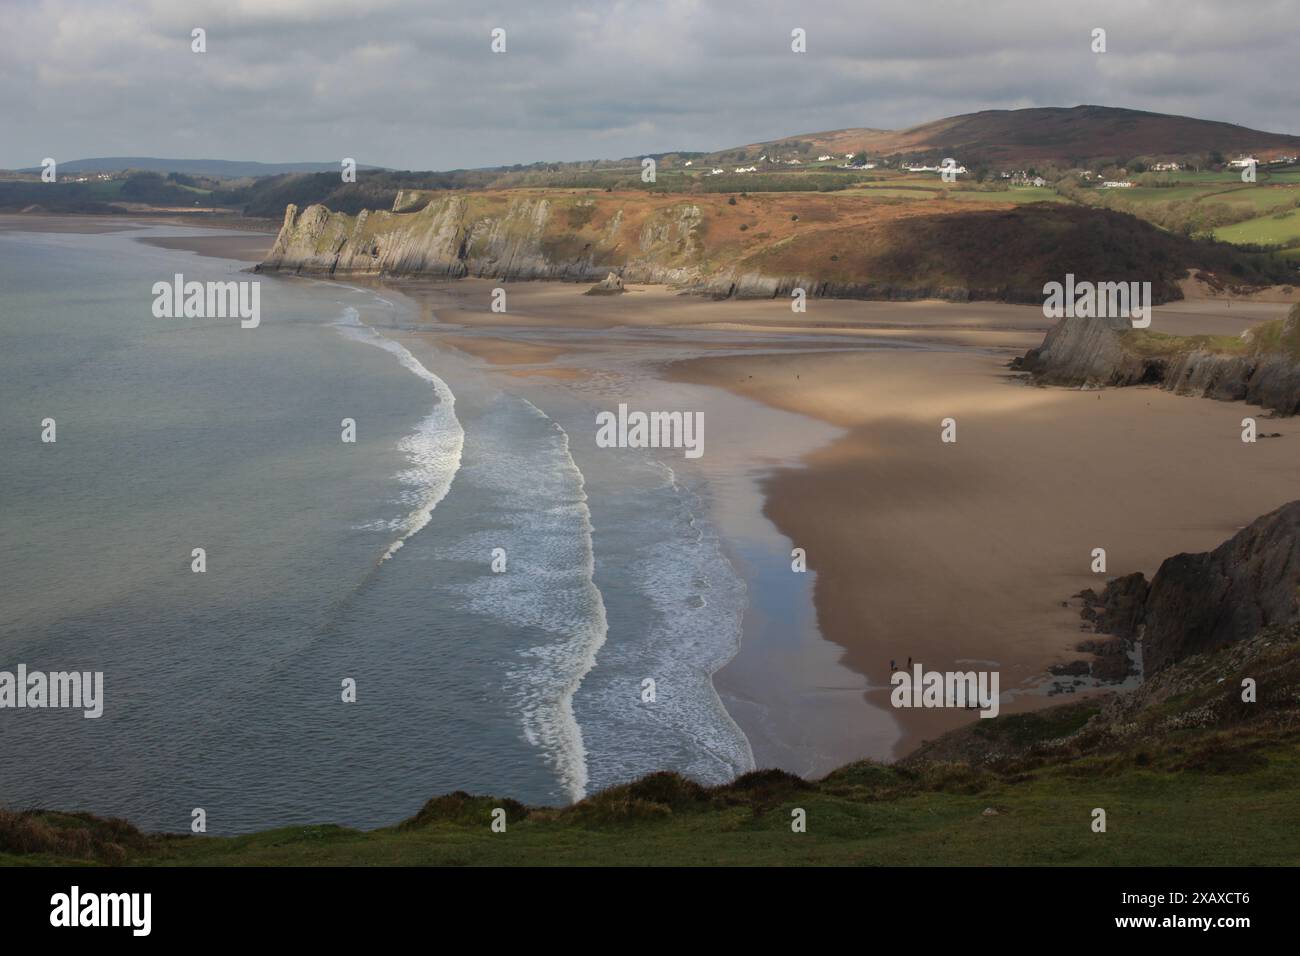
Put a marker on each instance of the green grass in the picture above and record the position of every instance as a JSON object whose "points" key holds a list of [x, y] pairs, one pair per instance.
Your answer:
{"points": [[1154, 817], [1270, 230], [1015, 194], [1142, 194], [1215, 203], [105, 190], [1267, 338], [1148, 344]]}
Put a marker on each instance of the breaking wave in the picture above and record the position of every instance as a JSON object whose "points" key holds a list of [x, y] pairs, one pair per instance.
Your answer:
{"points": [[433, 449]]}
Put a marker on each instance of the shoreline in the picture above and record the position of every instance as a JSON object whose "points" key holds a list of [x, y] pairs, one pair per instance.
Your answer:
{"points": [[755, 692], [952, 562], [909, 554], [246, 241]]}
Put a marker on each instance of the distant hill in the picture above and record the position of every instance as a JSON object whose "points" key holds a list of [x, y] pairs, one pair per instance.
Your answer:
{"points": [[221, 168], [1074, 136]]}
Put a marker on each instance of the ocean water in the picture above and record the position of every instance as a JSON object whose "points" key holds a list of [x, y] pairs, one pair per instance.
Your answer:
{"points": [[328, 561]]}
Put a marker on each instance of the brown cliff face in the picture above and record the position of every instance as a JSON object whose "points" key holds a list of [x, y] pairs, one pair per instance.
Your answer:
{"points": [[831, 245], [1199, 602]]}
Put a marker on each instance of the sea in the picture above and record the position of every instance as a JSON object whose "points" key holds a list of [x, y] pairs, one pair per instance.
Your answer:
{"points": [[469, 596]]}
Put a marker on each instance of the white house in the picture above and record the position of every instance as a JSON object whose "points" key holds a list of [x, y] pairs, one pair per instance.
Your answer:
{"points": [[717, 172], [690, 162], [1167, 167], [746, 169], [824, 157]]}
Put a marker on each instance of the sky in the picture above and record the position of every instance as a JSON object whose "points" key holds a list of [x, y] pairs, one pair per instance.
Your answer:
{"points": [[414, 84]]}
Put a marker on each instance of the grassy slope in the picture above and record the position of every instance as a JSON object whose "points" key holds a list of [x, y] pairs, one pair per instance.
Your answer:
{"points": [[1186, 773], [1261, 213], [1268, 338], [1275, 229], [1041, 133]]}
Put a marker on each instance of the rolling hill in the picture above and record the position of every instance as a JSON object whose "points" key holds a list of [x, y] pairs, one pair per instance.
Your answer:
{"points": [[1073, 136]]}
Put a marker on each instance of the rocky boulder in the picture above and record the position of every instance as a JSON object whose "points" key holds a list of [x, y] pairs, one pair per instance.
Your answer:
{"points": [[612, 284], [1197, 603], [1087, 351]]}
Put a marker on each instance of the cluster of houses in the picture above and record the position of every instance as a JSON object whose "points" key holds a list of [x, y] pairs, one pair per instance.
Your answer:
{"points": [[825, 157], [1243, 161], [860, 164], [922, 168], [1017, 177], [85, 179], [1021, 177]]}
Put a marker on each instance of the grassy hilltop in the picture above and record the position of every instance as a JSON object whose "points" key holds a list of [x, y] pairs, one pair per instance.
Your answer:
{"points": [[1186, 772]]}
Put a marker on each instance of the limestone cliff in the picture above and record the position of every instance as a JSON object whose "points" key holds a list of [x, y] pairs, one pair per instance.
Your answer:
{"points": [[509, 237], [1260, 370]]}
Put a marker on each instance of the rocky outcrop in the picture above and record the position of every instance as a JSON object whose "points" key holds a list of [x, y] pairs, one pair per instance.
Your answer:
{"points": [[1196, 603], [1087, 352], [612, 284], [1271, 381], [1100, 352], [508, 238]]}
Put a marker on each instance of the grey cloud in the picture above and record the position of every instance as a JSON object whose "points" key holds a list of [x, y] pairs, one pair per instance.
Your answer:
{"points": [[412, 84]]}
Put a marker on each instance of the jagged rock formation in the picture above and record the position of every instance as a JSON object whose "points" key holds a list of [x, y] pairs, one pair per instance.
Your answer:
{"points": [[1196, 603], [1100, 352], [1087, 352], [504, 237], [612, 284]]}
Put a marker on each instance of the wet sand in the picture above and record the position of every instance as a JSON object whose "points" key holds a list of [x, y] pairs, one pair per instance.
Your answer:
{"points": [[242, 244], [245, 247]]}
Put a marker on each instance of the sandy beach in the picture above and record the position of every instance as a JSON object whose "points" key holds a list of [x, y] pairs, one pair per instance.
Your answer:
{"points": [[959, 556], [962, 555]]}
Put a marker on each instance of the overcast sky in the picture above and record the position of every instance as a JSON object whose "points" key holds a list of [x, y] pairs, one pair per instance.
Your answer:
{"points": [[414, 85]]}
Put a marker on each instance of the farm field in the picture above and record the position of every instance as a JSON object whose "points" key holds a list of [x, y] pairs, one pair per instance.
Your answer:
{"points": [[1271, 230]]}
